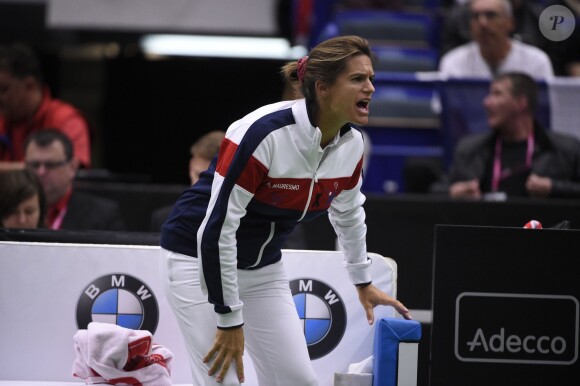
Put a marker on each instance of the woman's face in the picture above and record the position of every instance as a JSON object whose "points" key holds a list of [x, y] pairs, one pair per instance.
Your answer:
{"points": [[25, 215], [349, 97]]}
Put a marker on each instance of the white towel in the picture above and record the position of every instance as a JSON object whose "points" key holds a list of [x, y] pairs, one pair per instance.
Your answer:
{"points": [[107, 353]]}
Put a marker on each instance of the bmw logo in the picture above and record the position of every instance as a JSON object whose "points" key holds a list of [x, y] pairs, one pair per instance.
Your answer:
{"points": [[322, 313], [118, 299]]}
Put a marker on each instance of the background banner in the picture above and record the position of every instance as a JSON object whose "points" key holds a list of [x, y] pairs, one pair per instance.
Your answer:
{"points": [[49, 290]]}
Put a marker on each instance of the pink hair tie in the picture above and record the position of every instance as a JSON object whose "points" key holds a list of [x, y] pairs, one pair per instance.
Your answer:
{"points": [[301, 70]]}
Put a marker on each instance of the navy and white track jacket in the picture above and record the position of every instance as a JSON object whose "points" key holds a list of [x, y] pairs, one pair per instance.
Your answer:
{"points": [[270, 174]]}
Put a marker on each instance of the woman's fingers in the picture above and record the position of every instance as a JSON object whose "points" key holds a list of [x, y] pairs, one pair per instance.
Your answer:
{"points": [[228, 346], [240, 369], [225, 367]]}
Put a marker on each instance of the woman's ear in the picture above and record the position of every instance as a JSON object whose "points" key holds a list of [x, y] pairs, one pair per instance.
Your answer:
{"points": [[321, 88], [522, 102]]}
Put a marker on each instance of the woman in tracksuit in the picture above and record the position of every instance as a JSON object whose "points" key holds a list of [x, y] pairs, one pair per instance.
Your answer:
{"points": [[221, 246]]}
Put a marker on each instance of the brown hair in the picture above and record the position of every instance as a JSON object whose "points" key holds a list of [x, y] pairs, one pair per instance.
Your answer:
{"points": [[17, 186], [208, 145], [20, 61], [325, 62], [45, 137], [522, 85]]}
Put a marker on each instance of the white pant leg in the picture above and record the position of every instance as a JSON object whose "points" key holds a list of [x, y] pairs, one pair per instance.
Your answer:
{"points": [[195, 315], [272, 329]]}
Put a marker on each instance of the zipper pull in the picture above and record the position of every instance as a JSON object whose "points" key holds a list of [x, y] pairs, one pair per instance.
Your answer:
{"points": [[316, 177]]}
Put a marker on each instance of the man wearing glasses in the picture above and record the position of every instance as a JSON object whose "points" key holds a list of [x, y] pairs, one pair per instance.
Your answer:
{"points": [[492, 51], [49, 153], [26, 106], [517, 157]]}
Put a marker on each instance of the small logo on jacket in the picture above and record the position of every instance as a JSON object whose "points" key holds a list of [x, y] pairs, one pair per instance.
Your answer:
{"points": [[119, 299], [283, 186], [322, 313]]}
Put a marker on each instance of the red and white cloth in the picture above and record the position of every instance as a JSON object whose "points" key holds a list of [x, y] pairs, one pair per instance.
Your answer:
{"points": [[114, 355]]}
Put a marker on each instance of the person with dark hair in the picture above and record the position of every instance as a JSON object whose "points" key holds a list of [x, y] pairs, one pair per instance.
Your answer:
{"points": [[22, 201], [281, 164], [517, 157], [202, 152], [492, 50], [50, 154], [26, 106]]}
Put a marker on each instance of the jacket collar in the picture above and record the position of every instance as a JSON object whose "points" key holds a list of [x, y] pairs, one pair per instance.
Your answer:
{"points": [[302, 114], [541, 138]]}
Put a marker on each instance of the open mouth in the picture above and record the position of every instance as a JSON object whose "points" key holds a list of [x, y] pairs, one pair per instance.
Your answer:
{"points": [[363, 105]]}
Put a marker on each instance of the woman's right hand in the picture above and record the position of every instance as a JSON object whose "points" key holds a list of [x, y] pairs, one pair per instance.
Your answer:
{"points": [[228, 346]]}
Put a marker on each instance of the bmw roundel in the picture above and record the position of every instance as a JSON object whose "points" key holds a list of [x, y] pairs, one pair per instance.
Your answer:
{"points": [[119, 299], [322, 313]]}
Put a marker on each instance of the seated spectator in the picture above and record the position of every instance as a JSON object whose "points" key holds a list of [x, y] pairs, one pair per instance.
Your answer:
{"points": [[492, 50], [455, 29], [27, 106], [202, 152], [49, 153], [22, 201], [518, 157]]}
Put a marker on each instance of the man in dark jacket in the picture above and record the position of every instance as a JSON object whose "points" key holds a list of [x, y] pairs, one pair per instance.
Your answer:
{"points": [[49, 153], [517, 157]]}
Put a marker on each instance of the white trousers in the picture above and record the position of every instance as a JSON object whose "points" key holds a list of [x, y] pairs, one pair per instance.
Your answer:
{"points": [[272, 330]]}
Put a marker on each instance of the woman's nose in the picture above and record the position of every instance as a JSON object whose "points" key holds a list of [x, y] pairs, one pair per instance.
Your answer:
{"points": [[22, 218]]}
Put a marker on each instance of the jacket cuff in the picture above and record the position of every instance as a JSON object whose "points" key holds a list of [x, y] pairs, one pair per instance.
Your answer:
{"points": [[231, 319], [360, 273]]}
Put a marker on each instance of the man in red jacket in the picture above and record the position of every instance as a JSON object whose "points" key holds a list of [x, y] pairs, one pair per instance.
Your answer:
{"points": [[26, 106]]}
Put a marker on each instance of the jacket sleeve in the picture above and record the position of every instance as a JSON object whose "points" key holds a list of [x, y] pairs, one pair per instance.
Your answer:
{"points": [[565, 189], [77, 129], [238, 173], [569, 149], [469, 159], [347, 216]]}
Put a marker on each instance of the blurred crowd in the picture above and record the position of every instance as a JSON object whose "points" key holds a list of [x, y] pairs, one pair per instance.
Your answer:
{"points": [[46, 141]]}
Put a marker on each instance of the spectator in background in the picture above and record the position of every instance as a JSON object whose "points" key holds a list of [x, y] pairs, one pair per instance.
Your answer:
{"points": [[517, 157], [202, 152], [455, 29], [49, 153], [492, 50], [27, 106], [22, 201]]}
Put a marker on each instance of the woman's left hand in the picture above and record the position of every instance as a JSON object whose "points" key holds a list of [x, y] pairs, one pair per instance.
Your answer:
{"points": [[370, 297]]}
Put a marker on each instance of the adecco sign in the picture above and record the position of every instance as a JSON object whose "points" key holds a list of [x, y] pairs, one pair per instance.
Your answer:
{"points": [[516, 328]]}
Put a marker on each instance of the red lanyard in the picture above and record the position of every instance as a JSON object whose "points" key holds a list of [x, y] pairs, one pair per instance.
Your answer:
{"points": [[498, 173]]}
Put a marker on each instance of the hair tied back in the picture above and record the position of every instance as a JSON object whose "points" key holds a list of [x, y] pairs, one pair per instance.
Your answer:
{"points": [[301, 68]]}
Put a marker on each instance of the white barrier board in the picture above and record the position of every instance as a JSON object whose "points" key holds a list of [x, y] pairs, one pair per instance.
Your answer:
{"points": [[49, 290]]}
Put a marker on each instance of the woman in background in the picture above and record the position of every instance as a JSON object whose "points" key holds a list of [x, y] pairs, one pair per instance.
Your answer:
{"points": [[22, 201]]}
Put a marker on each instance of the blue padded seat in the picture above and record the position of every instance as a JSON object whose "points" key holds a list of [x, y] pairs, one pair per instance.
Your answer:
{"points": [[389, 332], [404, 29], [399, 59]]}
